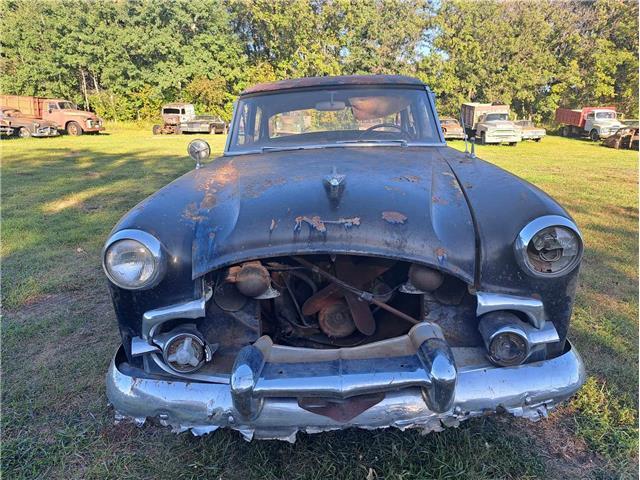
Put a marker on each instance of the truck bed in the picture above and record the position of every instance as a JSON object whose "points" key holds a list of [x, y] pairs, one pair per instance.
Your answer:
{"points": [[27, 105]]}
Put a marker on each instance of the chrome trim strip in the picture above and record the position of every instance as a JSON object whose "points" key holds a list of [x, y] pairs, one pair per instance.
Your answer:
{"points": [[191, 309], [151, 243], [531, 307], [528, 391], [139, 346], [528, 232], [338, 145]]}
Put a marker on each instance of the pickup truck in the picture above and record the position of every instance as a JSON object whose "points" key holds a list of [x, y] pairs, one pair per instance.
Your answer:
{"points": [[63, 113], [489, 123], [595, 122], [181, 118], [530, 131]]}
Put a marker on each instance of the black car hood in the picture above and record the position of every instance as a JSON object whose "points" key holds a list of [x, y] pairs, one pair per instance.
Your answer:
{"points": [[394, 202]]}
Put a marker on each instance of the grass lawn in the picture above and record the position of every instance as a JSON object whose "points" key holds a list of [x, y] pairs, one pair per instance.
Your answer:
{"points": [[60, 199]]}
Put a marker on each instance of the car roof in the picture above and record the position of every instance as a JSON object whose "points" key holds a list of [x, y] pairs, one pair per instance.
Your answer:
{"points": [[337, 81]]}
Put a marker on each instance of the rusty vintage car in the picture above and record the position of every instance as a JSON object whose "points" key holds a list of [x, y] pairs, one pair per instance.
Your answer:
{"points": [[625, 138], [25, 126], [451, 128], [349, 271]]}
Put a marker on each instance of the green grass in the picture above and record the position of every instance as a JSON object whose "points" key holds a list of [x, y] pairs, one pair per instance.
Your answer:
{"points": [[61, 197]]}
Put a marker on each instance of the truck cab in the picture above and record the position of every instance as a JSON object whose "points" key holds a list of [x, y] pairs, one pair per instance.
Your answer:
{"points": [[602, 123], [177, 113], [489, 123], [69, 117]]}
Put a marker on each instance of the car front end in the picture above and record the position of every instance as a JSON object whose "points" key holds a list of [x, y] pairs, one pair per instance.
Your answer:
{"points": [[335, 276], [44, 129]]}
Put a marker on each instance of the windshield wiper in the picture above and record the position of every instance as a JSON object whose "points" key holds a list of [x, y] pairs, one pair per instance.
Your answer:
{"points": [[398, 141], [271, 149], [340, 143]]}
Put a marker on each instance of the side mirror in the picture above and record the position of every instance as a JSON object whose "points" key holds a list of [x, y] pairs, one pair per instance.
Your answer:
{"points": [[199, 150]]}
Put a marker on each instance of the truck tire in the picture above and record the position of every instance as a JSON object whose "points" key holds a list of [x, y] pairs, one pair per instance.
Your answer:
{"points": [[157, 129], [177, 130], [513, 144], [594, 135], [483, 138], [23, 132], [74, 128], [565, 131]]}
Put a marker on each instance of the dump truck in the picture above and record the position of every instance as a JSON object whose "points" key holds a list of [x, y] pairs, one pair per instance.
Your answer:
{"points": [[489, 123], [595, 122], [63, 113]]}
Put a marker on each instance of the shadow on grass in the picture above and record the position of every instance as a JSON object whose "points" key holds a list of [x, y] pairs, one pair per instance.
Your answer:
{"points": [[60, 332]]}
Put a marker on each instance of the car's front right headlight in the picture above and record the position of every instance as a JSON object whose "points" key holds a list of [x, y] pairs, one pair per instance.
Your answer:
{"points": [[549, 246], [134, 260]]}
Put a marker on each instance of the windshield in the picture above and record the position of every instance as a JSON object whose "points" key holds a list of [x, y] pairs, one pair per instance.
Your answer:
{"points": [[492, 117], [333, 116], [611, 115], [67, 105]]}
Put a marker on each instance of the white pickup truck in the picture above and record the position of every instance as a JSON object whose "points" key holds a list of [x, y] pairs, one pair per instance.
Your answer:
{"points": [[489, 123]]}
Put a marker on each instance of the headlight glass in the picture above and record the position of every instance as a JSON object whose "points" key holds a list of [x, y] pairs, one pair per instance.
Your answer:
{"points": [[553, 250], [130, 264]]}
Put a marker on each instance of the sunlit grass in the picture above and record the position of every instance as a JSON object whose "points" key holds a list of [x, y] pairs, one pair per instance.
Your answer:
{"points": [[61, 197]]}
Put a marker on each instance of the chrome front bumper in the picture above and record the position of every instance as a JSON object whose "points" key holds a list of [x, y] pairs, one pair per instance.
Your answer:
{"points": [[291, 403]]}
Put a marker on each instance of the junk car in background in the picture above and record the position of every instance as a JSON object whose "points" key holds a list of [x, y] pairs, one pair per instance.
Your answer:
{"points": [[530, 131], [625, 138], [451, 128], [357, 273], [181, 118], [25, 126], [63, 113]]}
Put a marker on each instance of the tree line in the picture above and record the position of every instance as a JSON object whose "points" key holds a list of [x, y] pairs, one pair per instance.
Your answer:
{"points": [[125, 58]]}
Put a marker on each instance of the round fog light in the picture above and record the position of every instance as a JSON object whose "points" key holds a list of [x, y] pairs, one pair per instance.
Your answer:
{"points": [[508, 349], [185, 352]]}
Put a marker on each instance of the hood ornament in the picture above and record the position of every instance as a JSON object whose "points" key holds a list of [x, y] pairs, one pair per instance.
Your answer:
{"points": [[334, 184]]}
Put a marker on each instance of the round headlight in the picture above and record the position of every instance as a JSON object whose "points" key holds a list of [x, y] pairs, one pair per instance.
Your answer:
{"points": [[133, 260], [549, 246]]}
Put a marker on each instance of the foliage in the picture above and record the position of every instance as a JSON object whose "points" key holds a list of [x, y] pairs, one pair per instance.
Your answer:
{"points": [[124, 59]]}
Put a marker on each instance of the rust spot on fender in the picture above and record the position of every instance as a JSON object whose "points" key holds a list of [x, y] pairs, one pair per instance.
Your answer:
{"points": [[408, 178], [394, 217], [317, 223]]}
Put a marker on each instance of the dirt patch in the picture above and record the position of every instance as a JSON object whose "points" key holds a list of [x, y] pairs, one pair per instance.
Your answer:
{"points": [[566, 455], [41, 305]]}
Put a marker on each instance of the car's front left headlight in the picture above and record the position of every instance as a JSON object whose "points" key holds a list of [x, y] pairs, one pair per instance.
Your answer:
{"points": [[134, 260], [549, 246]]}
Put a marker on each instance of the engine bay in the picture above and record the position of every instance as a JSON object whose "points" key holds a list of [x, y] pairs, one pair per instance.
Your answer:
{"points": [[319, 302]]}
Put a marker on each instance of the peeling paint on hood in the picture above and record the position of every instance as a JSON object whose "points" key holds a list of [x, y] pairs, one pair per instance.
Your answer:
{"points": [[241, 199]]}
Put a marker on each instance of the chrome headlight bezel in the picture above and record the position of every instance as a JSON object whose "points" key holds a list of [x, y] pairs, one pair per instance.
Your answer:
{"points": [[150, 243], [534, 227]]}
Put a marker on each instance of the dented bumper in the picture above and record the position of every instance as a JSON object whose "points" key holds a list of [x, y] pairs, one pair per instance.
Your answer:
{"points": [[529, 391]]}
